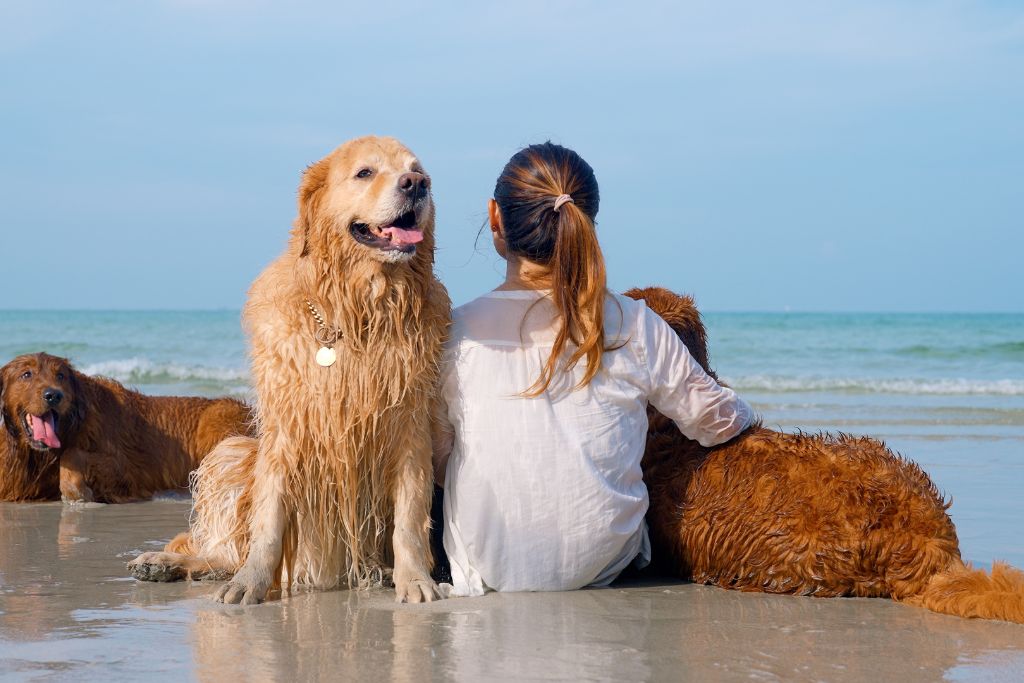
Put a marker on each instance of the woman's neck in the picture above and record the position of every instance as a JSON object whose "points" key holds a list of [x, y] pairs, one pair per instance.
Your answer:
{"points": [[521, 273]]}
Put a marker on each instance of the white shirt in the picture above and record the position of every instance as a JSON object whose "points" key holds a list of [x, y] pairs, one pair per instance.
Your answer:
{"points": [[546, 493]]}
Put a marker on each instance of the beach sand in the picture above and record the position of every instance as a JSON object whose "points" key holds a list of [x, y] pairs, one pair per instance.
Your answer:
{"points": [[69, 611]]}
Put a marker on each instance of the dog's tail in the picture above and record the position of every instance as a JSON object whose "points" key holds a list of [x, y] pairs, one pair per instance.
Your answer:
{"points": [[964, 591]]}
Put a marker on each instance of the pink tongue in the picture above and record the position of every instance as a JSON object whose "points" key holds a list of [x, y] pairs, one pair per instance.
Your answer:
{"points": [[402, 237], [44, 430]]}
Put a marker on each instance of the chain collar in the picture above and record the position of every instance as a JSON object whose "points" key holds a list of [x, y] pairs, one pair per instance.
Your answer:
{"points": [[325, 336]]}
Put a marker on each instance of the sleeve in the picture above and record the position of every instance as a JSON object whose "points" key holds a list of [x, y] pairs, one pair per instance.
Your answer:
{"points": [[442, 433], [703, 410]]}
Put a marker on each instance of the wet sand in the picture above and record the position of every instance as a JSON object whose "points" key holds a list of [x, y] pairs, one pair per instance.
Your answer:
{"points": [[69, 611]]}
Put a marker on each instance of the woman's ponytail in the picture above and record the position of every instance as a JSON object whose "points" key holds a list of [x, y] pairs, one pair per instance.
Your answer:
{"points": [[578, 291], [548, 198]]}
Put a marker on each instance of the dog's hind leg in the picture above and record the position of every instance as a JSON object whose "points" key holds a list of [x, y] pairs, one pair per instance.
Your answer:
{"points": [[257, 523], [214, 546], [177, 562]]}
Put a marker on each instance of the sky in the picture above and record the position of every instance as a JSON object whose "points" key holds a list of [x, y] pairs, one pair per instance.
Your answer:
{"points": [[807, 156]]}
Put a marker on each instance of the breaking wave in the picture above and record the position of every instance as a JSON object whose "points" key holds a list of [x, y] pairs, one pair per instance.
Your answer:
{"points": [[866, 385], [144, 371]]}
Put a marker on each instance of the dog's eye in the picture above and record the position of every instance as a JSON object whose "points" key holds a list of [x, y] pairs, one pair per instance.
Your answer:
{"points": [[364, 173], [60, 376], [27, 374]]}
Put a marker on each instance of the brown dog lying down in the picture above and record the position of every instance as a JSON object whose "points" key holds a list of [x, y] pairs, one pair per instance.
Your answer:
{"points": [[80, 438], [807, 514]]}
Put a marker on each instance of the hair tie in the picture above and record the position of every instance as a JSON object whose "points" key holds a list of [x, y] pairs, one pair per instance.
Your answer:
{"points": [[562, 199]]}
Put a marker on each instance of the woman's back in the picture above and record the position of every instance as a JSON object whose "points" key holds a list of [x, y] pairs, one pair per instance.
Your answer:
{"points": [[546, 492], [544, 397]]}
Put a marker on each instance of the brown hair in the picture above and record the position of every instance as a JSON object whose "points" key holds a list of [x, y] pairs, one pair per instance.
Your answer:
{"points": [[565, 240]]}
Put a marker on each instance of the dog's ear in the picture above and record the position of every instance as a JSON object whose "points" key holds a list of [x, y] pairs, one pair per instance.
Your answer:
{"points": [[314, 180], [78, 410], [6, 421]]}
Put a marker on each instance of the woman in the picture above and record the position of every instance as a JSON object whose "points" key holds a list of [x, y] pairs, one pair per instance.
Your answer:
{"points": [[545, 384]]}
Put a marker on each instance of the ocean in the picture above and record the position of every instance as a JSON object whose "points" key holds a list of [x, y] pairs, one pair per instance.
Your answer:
{"points": [[946, 390], [938, 375]]}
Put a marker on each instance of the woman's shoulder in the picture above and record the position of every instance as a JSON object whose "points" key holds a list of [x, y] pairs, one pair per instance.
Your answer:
{"points": [[515, 316], [622, 316], [631, 306], [486, 306], [492, 316]]}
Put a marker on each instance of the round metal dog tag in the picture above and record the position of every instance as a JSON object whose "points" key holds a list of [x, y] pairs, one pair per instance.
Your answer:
{"points": [[326, 356]]}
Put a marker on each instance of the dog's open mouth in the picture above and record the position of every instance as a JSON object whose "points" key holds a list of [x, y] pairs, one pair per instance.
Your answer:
{"points": [[42, 430], [401, 235]]}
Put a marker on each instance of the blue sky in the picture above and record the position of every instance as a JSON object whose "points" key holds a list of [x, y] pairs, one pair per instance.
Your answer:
{"points": [[817, 155]]}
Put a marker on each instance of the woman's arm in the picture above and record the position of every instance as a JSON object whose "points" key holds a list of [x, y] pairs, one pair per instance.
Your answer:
{"points": [[704, 410]]}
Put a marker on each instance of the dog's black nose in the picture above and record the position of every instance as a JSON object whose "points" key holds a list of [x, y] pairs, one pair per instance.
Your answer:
{"points": [[53, 396], [413, 184]]}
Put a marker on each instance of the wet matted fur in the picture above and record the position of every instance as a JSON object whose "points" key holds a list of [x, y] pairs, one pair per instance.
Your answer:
{"points": [[824, 515], [97, 440], [336, 489]]}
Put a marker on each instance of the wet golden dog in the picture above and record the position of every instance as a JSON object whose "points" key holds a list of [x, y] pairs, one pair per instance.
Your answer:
{"points": [[336, 488], [807, 514], [81, 438]]}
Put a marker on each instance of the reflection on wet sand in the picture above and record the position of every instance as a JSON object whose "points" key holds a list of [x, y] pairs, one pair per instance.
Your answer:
{"points": [[67, 608], [26, 557], [326, 636], [57, 559], [635, 632]]}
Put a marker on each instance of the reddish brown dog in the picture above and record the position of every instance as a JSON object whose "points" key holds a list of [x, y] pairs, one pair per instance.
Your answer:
{"points": [[807, 514], [80, 438]]}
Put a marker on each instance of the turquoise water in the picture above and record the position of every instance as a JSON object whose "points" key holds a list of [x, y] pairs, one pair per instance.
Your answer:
{"points": [[159, 352], [892, 375], [767, 353], [921, 372], [946, 390]]}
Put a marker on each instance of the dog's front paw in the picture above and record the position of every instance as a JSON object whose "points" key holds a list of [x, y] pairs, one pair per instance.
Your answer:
{"points": [[417, 589], [156, 566], [76, 494], [246, 588]]}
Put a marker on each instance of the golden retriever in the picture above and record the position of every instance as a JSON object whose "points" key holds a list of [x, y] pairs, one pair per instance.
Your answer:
{"points": [[807, 514], [81, 438], [342, 459]]}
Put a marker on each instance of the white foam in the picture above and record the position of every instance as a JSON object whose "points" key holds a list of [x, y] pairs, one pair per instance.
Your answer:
{"points": [[145, 371], [939, 387]]}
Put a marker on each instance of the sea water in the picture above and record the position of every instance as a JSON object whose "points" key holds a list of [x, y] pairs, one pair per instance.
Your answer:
{"points": [[899, 374], [946, 390]]}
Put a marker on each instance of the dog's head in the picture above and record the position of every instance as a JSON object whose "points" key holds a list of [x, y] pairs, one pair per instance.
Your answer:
{"points": [[368, 198], [39, 400]]}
